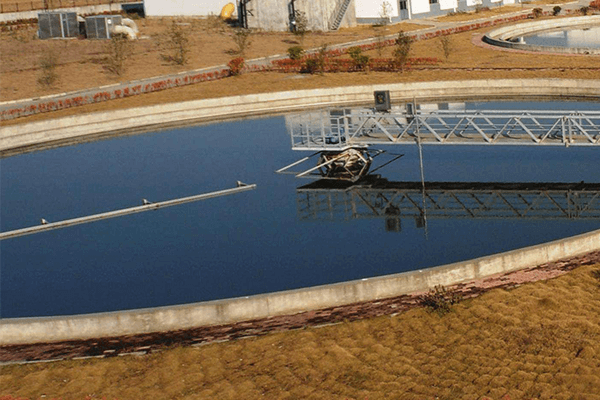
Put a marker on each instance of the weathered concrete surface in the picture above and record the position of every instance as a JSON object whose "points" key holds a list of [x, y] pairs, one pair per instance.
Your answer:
{"points": [[36, 330], [81, 126], [501, 36]]}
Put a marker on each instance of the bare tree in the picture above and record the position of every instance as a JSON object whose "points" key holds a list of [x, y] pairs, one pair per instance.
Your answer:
{"points": [[48, 62], [446, 45], [176, 45], [241, 38], [118, 49]]}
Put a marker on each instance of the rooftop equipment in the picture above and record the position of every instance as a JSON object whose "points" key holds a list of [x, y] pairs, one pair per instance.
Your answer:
{"points": [[101, 26], [57, 25]]}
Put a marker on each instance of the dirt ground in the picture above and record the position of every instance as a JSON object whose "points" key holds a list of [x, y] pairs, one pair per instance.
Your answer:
{"points": [[81, 64], [537, 341]]}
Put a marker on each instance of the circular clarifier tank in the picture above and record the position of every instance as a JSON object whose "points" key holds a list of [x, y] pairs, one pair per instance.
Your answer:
{"points": [[578, 35]]}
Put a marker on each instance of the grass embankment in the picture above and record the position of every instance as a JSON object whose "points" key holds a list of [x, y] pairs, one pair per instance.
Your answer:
{"points": [[211, 43], [539, 341]]}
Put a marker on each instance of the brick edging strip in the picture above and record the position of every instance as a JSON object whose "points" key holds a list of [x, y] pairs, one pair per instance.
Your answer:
{"points": [[21, 108]]}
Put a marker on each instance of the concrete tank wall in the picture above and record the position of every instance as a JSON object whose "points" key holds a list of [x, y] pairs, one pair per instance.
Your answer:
{"points": [[79, 127], [36, 330], [501, 36]]}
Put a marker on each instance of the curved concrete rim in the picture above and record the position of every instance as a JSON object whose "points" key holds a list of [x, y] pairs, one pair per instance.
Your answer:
{"points": [[38, 330], [218, 312], [502, 36], [16, 139]]}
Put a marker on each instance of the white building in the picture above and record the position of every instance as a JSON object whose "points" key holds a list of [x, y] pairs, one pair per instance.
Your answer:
{"points": [[321, 15], [373, 11], [190, 8]]}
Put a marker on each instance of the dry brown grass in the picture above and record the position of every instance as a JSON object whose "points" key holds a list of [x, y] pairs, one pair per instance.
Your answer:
{"points": [[81, 61], [540, 341], [19, 70]]}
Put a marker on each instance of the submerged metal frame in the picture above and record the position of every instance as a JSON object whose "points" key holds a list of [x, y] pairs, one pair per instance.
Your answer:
{"points": [[449, 200]]}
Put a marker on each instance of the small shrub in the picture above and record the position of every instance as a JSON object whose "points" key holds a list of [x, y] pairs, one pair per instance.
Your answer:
{"points": [[48, 63], [479, 8], [176, 45], [446, 46], [316, 63], [311, 66], [440, 300], [537, 12], [401, 51], [295, 52], [584, 10], [241, 38], [596, 275], [118, 49], [236, 66], [556, 10], [300, 26], [360, 60], [379, 34]]}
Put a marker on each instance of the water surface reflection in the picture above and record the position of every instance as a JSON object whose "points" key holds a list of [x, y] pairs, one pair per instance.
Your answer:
{"points": [[251, 243]]}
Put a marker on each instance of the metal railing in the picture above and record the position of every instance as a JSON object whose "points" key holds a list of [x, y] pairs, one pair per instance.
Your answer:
{"points": [[360, 128]]}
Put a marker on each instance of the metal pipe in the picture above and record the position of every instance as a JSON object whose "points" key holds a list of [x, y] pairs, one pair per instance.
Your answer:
{"points": [[46, 226]]}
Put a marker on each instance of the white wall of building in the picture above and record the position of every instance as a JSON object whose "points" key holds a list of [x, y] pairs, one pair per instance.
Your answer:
{"points": [[448, 4], [420, 6], [374, 8], [473, 3], [164, 8]]}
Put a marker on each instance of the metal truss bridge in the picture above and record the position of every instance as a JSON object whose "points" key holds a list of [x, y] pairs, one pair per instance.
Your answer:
{"points": [[343, 129], [373, 197]]}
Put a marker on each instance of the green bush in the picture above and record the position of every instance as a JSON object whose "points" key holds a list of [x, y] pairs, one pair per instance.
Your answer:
{"points": [[361, 61], [402, 50], [311, 66], [556, 10], [295, 52]]}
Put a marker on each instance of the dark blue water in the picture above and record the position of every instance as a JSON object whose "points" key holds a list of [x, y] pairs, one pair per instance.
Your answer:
{"points": [[239, 245], [589, 37]]}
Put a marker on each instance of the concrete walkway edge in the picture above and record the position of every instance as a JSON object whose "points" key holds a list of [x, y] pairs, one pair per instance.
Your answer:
{"points": [[17, 138], [162, 319]]}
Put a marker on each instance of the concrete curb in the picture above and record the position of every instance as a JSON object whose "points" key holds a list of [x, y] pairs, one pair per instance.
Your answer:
{"points": [[39, 330], [64, 130], [24, 107], [501, 37]]}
